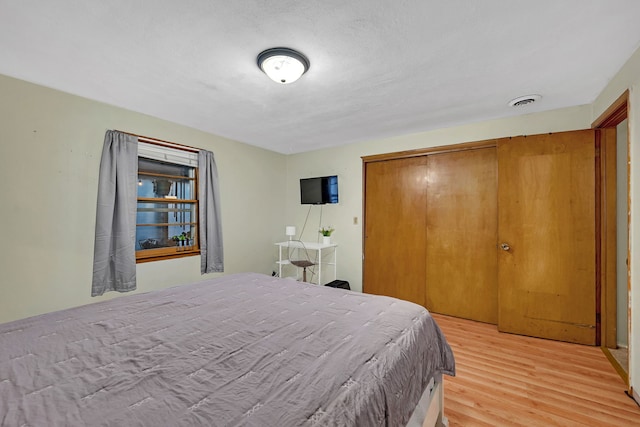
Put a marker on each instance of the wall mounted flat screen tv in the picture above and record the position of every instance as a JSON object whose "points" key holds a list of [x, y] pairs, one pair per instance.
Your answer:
{"points": [[319, 190]]}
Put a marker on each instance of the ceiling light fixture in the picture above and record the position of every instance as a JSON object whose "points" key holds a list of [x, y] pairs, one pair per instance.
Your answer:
{"points": [[283, 65]]}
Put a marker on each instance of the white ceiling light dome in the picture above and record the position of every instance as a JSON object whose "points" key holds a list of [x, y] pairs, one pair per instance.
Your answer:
{"points": [[283, 65]]}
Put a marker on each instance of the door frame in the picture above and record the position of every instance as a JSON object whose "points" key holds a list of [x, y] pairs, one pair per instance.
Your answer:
{"points": [[607, 122]]}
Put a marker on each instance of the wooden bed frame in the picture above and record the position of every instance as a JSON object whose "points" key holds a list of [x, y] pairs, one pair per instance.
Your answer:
{"points": [[429, 411], [435, 414]]}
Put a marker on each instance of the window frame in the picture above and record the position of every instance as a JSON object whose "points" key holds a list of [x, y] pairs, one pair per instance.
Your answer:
{"points": [[171, 252]]}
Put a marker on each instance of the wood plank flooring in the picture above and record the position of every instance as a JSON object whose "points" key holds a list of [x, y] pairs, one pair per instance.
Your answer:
{"points": [[510, 380]]}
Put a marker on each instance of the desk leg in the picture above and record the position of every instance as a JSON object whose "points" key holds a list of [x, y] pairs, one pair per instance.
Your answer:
{"points": [[320, 266], [335, 263]]}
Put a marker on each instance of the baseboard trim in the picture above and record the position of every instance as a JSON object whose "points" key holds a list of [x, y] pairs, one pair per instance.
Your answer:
{"points": [[616, 365]]}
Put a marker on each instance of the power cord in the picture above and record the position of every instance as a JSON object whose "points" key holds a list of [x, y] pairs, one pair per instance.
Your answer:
{"points": [[631, 397], [305, 221], [312, 269]]}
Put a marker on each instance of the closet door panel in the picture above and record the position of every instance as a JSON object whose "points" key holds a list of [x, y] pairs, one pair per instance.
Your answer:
{"points": [[394, 235], [462, 229], [546, 264]]}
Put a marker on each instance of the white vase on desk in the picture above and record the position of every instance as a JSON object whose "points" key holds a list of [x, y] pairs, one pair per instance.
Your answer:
{"points": [[326, 240]]}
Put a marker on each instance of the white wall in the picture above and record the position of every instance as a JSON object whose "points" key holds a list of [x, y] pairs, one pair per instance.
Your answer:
{"points": [[346, 162], [629, 78], [50, 147]]}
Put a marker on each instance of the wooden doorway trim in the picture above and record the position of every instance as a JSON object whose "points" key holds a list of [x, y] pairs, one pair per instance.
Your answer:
{"points": [[615, 114], [606, 237], [607, 122]]}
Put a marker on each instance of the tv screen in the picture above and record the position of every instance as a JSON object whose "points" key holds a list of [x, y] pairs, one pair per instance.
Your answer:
{"points": [[319, 190]]}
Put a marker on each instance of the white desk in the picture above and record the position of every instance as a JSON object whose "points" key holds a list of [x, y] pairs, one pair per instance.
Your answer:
{"points": [[298, 246]]}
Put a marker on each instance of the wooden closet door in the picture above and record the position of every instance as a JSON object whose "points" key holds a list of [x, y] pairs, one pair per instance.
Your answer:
{"points": [[462, 216], [546, 227], [394, 247]]}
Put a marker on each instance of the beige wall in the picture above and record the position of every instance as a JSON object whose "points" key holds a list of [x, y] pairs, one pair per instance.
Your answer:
{"points": [[346, 162], [50, 147], [629, 78]]}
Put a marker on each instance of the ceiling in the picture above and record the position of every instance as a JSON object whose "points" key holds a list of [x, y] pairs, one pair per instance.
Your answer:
{"points": [[379, 68]]}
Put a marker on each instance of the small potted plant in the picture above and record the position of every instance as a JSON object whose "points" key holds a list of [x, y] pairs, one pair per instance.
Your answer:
{"points": [[326, 234], [181, 240]]}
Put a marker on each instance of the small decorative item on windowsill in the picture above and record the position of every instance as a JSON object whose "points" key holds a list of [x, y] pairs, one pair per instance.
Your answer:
{"points": [[326, 234], [182, 241]]}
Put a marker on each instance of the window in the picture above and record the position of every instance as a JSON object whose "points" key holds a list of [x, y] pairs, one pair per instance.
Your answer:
{"points": [[167, 211]]}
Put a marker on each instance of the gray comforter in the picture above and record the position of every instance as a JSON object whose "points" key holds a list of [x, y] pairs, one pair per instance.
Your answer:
{"points": [[240, 350]]}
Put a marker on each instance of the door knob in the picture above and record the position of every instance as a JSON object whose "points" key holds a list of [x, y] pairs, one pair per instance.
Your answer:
{"points": [[505, 246]]}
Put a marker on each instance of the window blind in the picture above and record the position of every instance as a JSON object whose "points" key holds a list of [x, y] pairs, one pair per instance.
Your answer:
{"points": [[167, 154]]}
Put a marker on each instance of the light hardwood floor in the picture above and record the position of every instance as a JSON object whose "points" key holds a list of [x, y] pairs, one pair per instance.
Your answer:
{"points": [[511, 380]]}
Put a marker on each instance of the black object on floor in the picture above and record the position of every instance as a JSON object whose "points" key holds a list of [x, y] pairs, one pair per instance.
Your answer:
{"points": [[342, 284]]}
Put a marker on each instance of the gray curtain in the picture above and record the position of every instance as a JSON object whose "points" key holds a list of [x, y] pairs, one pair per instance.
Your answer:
{"points": [[211, 253], [114, 257]]}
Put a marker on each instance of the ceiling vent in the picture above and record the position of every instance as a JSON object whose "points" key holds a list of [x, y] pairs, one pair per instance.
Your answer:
{"points": [[524, 100]]}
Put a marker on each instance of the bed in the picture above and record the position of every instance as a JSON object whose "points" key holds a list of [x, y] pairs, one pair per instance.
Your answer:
{"points": [[240, 350]]}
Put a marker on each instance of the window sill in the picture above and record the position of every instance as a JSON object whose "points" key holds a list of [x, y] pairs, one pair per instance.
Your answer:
{"points": [[151, 258]]}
